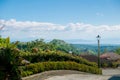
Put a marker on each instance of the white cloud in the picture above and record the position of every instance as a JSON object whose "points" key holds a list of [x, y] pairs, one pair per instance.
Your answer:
{"points": [[30, 25], [30, 29]]}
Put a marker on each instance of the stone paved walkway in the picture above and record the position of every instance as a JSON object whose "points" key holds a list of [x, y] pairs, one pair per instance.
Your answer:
{"points": [[108, 74]]}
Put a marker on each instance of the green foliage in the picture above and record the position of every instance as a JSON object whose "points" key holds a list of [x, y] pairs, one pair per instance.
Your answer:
{"points": [[46, 66], [26, 73], [28, 46], [9, 59], [38, 52], [110, 64], [5, 43], [54, 45], [104, 65], [56, 56], [118, 51], [114, 64], [63, 46], [103, 48]]}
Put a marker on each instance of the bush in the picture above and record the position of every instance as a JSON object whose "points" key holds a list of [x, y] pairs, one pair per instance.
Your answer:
{"points": [[46, 66], [56, 56], [26, 73], [114, 64], [104, 65], [110, 64]]}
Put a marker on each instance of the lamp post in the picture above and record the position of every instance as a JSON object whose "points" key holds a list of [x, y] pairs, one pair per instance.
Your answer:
{"points": [[98, 40]]}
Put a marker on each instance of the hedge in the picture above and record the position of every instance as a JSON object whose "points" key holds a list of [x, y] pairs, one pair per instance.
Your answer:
{"points": [[110, 64], [34, 68], [56, 56]]}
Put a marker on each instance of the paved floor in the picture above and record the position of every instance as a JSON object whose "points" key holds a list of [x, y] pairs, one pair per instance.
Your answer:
{"points": [[108, 74], [79, 77]]}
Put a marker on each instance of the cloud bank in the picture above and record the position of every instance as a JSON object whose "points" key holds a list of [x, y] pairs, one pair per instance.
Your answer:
{"points": [[25, 30]]}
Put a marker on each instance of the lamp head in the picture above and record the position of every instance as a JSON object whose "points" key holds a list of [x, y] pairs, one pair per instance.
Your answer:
{"points": [[98, 37]]}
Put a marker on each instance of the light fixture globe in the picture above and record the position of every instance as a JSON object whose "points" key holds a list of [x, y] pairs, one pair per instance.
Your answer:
{"points": [[98, 37]]}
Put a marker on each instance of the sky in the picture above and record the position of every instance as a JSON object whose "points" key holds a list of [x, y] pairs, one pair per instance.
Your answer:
{"points": [[76, 21]]}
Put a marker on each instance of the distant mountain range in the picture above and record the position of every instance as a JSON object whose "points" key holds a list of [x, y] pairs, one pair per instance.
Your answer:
{"points": [[80, 41], [102, 41], [90, 46], [93, 47]]}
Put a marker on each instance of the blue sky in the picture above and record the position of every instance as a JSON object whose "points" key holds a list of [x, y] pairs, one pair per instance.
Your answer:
{"points": [[63, 19]]}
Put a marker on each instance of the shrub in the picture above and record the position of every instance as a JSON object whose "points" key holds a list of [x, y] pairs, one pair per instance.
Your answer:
{"points": [[104, 65], [114, 64], [56, 56], [26, 73], [111, 64], [46, 66]]}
